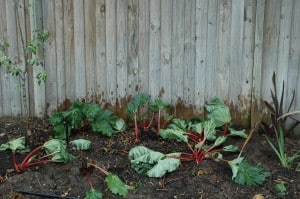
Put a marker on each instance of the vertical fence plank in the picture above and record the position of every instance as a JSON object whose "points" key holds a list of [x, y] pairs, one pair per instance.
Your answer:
{"points": [[270, 46], [247, 62], [101, 69], [111, 32], [177, 51], [79, 44], [143, 46], [50, 59], [236, 49], [201, 56], [132, 47], [257, 62], [90, 46], [223, 49], [154, 49], [284, 47], [15, 90], [122, 12], [69, 59], [166, 50], [4, 108], [39, 93], [189, 53], [60, 61], [211, 51], [293, 82]]}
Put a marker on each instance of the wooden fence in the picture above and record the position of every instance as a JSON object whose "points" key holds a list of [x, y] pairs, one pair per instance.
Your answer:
{"points": [[183, 51]]}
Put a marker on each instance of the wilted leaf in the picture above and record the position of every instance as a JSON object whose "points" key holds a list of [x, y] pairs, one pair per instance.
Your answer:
{"points": [[164, 166], [155, 164], [241, 133], [81, 144], [230, 148]]}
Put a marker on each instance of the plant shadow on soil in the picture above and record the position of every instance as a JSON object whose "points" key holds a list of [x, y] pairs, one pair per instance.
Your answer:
{"points": [[207, 180]]}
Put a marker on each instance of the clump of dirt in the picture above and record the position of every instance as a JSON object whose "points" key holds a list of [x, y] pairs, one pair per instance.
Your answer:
{"points": [[207, 180]]}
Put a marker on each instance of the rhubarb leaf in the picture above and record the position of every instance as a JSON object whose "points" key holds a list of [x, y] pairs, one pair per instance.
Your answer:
{"points": [[93, 194], [116, 185], [163, 166], [241, 133], [220, 140], [120, 125], [247, 174], [218, 111], [57, 149], [178, 124], [173, 134], [81, 144], [152, 163], [210, 130], [14, 145], [143, 159], [231, 148]]}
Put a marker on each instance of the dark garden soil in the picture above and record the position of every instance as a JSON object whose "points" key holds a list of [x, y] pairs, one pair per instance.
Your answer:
{"points": [[207, 180]]}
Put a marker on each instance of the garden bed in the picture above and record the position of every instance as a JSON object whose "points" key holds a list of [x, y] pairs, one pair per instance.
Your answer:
{"points": [[209, 179]]}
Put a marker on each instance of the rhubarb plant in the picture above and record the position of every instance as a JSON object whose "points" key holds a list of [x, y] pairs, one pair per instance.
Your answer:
{"points": [[83, 116], [51, 151], [206, 140], [143, 112], [113, 182]]}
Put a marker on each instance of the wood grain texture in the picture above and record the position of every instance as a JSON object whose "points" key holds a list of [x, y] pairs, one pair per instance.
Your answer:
{"points": [[154, 49], [121, 62], [201, 54], [166, 50], [184, 52], [50, 59], [79, 50], [101, 69], [177, 51]]}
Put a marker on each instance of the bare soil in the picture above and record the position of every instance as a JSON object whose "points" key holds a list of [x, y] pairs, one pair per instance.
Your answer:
{"points": [[208, 180]]}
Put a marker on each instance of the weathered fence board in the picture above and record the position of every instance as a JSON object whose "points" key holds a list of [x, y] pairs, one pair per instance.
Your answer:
{"points": [[183, 51]]}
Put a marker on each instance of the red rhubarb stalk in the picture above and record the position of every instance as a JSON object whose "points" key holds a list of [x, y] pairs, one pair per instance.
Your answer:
{"points": [[136, 129]]}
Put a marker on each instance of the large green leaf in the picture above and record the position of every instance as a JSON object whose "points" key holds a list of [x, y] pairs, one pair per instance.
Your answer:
{"points": [[173, 134], [116, 185], [163, 166], [57, 149], [247, 174], [93, 194], [218, 111], [14, 145], [103, 127], [154, 164]]}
